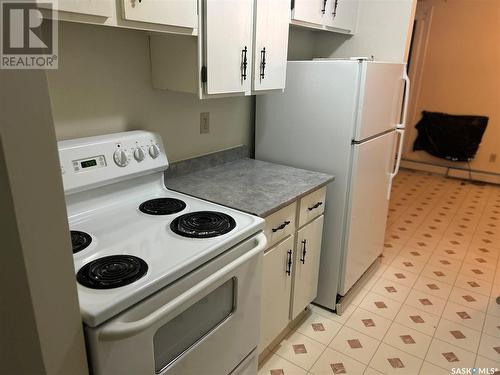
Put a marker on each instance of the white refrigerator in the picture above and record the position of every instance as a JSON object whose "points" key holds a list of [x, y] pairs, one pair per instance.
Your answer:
{"points": [[346, 118]]}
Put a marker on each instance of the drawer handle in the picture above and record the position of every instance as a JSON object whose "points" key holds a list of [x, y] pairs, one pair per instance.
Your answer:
{"points": [[315, 206], [289, 263], [324, 7], [282, 226], [304, 251]]}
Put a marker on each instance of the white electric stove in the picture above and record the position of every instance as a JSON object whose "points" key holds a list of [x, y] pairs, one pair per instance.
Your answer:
{"points": [[174, 277]]}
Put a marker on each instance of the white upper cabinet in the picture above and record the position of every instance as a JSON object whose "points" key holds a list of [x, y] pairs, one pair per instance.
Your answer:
{"points": [[227, 46], [342, 14], [272, 19], [241, 50], [331, 15], [311, 11], [162, 16], [182, 13], [101, 8]]}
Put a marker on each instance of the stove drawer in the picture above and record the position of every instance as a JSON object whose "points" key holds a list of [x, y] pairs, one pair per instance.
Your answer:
{"points": [[311, 206], [280, 224]]}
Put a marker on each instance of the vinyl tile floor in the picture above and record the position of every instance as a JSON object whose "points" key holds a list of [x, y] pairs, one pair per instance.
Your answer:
{"points": [[432, 305]]}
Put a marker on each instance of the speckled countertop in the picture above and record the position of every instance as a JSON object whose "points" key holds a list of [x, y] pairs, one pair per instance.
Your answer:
{"points": [[249, 185]]}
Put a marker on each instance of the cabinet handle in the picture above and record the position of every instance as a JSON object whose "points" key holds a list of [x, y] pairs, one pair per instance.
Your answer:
{"points": [[315, 206], [289, 263], [282, 226], [324, 7], [303, 258], [263, 63], [244, 63], [335, 9]]}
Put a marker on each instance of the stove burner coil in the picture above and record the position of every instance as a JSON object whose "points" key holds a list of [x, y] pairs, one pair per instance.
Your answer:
{"points": [[162, 206], [80, 240], [203, 224], [111, 271]]}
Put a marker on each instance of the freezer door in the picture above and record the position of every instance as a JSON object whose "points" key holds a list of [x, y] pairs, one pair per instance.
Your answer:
{"points": [[372, 166], [381, 94]]}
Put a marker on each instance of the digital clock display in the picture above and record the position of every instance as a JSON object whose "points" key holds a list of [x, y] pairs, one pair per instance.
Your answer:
{"points": [[88, 163]]}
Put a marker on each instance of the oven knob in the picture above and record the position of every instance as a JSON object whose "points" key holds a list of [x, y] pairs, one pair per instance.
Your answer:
{"points": [[154, 151], [120, 158], [139, 154]]}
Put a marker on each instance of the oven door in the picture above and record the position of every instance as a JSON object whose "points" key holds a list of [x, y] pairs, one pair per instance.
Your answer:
{"points": [[205, 323]]}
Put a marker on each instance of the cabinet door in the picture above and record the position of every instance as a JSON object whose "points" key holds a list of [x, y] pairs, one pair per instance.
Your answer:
{"points": [[307, 255], [342, 14], [228, 45], [271, 44], [101, 8], [311, 11], [181, 13], [276, 289]]}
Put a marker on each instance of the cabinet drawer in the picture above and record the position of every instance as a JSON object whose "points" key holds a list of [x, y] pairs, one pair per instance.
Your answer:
{"points": [[276, 291], [280, 224], [311, 206]]}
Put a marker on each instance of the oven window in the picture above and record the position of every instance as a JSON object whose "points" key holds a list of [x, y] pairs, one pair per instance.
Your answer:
{"points": [[186, 329]]}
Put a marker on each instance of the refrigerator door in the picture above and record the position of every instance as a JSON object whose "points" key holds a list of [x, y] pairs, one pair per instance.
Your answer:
{"points": [[381, 93], [311, 125], [372, 166]]}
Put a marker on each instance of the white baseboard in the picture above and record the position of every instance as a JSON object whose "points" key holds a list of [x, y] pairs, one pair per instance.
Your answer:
{"points": [[492, 178]]}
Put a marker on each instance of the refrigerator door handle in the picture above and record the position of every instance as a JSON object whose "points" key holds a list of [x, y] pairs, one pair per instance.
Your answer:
{"points": [[406, 79], [400, 128], [401, 133]]}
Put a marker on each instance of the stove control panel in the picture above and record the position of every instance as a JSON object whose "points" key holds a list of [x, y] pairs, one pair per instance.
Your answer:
{"points": [[139, 154], [88, 164], [102, 160], [120, 157], [154, 151]]}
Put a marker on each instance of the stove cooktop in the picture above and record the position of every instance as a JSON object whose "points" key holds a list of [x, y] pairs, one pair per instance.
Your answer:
{"points": [[202, 224], [162, 206], [124, 230], [80, 240], [111, 272]]}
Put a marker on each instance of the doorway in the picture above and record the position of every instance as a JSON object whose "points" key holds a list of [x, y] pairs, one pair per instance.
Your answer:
{"points": [[416, 58]]}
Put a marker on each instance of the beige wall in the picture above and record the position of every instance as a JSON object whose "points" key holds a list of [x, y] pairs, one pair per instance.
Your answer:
{"points": [[103, 85], [301, 43], [461, 72], [40, 322]]}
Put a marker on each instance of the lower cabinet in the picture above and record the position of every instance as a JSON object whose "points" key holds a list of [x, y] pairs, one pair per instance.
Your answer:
{"points": [[306, 270], [276, 290], [291, 264]]}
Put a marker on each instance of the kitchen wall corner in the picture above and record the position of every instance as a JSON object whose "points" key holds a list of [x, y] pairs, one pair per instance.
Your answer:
{"points": [[103, 85]]}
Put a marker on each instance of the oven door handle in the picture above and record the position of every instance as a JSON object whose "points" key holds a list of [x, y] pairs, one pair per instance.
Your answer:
{"points": [[120, 330]]}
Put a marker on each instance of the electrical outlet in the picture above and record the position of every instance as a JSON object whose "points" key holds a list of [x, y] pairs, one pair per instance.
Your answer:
{"points": [[204, 122], [493, 158]]}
